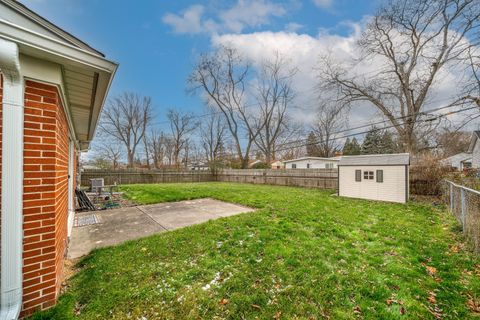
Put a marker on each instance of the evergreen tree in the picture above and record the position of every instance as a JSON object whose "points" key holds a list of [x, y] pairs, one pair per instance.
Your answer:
{"points": [[351, 147], [379, 142], [372, 144], [389, 145], [313, 149]]}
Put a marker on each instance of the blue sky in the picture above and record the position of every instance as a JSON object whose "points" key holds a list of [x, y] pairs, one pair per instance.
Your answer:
{"points": [[156, 42]]}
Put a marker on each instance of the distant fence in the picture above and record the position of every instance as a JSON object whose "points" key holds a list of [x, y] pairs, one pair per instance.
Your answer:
{"points": [[464, 203], [134, 176], [312, 178]]}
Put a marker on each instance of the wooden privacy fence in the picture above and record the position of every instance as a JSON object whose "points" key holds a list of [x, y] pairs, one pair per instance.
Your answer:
{"points": [[312, 178], [144, 176]]}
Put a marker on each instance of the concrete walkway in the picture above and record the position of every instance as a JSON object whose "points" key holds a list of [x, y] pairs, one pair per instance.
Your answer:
{"points": [[119, 225]]}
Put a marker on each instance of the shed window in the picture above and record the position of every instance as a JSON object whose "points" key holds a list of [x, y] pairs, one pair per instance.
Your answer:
{"points": [[379, 175], [358, 175], [368, 175], [329, 166], [308, 165], [294, 166]]}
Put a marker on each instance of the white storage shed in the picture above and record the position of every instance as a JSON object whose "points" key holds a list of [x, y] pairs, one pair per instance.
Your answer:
{"points": [[381, 177]]}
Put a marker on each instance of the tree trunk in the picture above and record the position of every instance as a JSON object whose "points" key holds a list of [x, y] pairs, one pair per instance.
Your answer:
{"points": [[130, 159]]}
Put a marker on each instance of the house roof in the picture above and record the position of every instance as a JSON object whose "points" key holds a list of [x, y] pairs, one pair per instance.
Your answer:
{"points": [[86, 75], [49, 27], [313, 158], [473, 141], [462, 156], [376, 159]]}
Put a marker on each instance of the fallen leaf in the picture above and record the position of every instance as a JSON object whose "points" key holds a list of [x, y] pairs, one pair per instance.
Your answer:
{"points": [[357, 309], [432, 297], [431, 270], [255, 306], [389, 302], [455, 249], [277, 315], [224, 301], [402, 311], [474, 305]]}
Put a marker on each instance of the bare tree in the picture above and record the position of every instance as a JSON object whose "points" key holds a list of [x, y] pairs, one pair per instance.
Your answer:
{"points": [[222, 76], [126, 119], [147, 150], [181, 126], [410, 41], [472, 87], [330, 119], [212, 134], [275, 96], [156, 147], [112, 152], [449, 142]]}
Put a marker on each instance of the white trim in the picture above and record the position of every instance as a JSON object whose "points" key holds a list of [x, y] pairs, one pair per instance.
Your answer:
{"points": [[39, 41], [12, 182], [71, 183], [46, 48]]}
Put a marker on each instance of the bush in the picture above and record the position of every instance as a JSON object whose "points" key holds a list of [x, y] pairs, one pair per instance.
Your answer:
{"points": [[426, 176]]}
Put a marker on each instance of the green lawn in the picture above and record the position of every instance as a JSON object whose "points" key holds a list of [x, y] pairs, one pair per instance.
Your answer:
{"points": [[305, 254]]}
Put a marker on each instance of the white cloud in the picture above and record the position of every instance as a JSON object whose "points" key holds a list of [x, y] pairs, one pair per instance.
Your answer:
{"points": [[324, 4], [244, 14], [250, 13], [190, 21], [293, 27], [302, 50]]}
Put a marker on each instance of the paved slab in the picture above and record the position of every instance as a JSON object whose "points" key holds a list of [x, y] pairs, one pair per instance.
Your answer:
{"points": [[119, 225]]}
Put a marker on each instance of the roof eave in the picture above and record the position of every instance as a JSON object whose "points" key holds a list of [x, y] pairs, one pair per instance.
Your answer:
{"points": [[62, 53]]}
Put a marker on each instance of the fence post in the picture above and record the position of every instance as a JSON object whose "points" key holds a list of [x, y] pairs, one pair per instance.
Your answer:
{"points": [[462, 193], [451, 196]]}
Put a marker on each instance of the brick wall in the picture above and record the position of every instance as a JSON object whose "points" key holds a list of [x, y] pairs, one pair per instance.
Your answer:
{"points": [[45, 200]]}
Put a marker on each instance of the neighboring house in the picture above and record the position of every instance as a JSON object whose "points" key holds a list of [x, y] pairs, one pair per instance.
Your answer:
{"points": [[458, 161], [474, 149], [469, 159], [254, 163], [52, 87], [383, 177], [198, 166], [312, 163], [277, 165]]}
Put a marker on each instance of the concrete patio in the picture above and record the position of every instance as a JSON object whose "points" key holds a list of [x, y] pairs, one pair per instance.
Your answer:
{"points": [[118, 225]]}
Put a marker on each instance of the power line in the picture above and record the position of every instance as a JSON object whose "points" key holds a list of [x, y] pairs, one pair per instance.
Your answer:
{"points": [[364, 132], [426, 112]]}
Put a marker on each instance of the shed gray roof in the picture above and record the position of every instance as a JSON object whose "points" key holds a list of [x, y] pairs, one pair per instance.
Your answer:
{"points": [[376, 160]]}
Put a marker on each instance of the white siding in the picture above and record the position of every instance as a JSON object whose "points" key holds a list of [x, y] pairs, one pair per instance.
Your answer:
{"points": [[476, 155], [393, 188], [314, 164]]}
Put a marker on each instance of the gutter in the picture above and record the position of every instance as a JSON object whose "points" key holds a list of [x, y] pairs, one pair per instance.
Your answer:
{"points": [[12, 182]]}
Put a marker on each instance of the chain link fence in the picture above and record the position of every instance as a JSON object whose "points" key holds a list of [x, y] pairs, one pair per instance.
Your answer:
{"points": [[464, 203]]}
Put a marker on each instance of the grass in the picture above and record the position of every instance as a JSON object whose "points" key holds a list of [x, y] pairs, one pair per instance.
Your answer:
{"points": [[304, 254]]}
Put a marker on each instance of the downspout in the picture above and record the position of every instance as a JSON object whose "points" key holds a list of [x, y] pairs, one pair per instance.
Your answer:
{"points": [[12, 182]]}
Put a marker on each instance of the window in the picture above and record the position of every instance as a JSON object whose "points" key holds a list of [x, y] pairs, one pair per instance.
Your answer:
{"points": [[367, 175], [379, 175], [308, 165], [358, 175], [294, 166], [329, 166]]}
